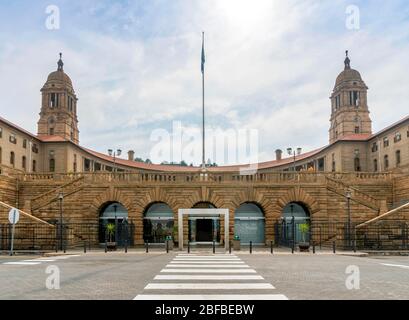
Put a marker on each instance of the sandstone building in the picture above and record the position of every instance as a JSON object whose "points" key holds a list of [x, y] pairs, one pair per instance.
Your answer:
{"points": [[364, 171]]}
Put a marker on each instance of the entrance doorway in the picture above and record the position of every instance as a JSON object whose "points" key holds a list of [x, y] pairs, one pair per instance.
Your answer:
{"points": [[204, 230]]}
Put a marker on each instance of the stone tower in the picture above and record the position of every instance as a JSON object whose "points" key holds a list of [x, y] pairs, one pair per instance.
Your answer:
{"points": [[350, 113], [58, 116]]}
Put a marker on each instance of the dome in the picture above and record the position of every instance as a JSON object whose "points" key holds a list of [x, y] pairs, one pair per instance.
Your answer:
{"points": [[59, 76], [348, 75]]}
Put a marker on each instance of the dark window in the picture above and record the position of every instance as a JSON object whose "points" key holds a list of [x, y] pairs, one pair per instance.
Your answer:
{"points": [[398, 137], [12, 158], [375, 165], [23, 162], [1, 132], [1, 152], [34, 148], [385, 142], [25, 143], [386, 162], [34, 166], [397, 158], [51, 131], [357, 164], [357, 130], [13, 138], [374, 147], [52, 165], [54, 100], [87, 165]]}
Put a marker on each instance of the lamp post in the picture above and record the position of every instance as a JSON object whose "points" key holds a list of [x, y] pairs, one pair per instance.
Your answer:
{"points": [[116, 223], [114, 154], [349, 195], [294, 152], [60, 198]]}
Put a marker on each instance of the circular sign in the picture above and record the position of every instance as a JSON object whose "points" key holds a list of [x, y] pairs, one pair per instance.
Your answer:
{"points": [[14, 215]]}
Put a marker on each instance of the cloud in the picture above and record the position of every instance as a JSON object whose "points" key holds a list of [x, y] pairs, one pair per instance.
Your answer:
{"points": [[270, 66]]}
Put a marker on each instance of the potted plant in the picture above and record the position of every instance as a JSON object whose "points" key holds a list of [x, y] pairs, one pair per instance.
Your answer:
{"points": [[304, 245], [236, 243], [110, 230], [169, 240]]}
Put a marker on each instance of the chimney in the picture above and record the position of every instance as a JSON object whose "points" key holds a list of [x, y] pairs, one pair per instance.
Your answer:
{"points": [[279, 154], [131, 155]]}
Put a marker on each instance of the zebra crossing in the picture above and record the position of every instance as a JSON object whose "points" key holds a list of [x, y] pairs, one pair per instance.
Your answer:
{"points": [[208, 277], [37, 261]]}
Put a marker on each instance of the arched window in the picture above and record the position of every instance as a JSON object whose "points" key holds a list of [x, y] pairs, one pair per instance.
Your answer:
{"points": [[52, 165], [386, 162], [34, 166], [12, 159], [116, 215], [375, 165], [23, 162], [157, 223], [249, 223], [295, 224]]}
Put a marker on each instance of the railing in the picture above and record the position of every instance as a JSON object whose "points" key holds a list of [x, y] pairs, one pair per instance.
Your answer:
{"points": [[52, 195], [206, 177], [356, 194], [387, 235]]}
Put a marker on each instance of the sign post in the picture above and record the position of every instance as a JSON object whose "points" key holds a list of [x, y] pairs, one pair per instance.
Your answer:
{"points": [[14, 216]]}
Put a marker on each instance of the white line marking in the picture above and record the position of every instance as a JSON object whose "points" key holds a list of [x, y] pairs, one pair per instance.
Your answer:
{"points": [[207, 258], [206, 262], [396, 265], [169, 270], [207, 266], [207, 277], [40, 260], [212, 297], [22, 263], [210, 256], [209, 286]]}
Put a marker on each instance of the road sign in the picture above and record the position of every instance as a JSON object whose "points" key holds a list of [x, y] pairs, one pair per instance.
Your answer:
{"points": [[14, 215]]}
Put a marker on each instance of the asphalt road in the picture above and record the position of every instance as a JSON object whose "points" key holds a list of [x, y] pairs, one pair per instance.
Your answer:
{"points": [[137, 275]]}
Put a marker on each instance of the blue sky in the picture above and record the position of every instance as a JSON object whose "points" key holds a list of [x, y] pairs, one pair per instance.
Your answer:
{"points": [[270, 66]]}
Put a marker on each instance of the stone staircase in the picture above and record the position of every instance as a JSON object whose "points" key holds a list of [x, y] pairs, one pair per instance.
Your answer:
{"points": [[360, 197], [50, 196]]}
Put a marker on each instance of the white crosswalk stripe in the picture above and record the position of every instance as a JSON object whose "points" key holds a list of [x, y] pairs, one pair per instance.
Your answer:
{"points": [[208, 277]]}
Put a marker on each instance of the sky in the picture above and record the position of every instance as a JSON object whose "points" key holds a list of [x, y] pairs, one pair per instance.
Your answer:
{"points": [[270, 67]]}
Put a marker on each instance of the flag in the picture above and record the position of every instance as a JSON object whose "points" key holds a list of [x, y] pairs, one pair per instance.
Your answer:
{"points": [[203, 55]]}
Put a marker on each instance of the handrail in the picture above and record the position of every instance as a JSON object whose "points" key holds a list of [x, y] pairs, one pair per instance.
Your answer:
{"points": [[406, 205], [26, 214]]}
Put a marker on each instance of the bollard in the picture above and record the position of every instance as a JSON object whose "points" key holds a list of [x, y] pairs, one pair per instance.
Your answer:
{"points": [[214, 247], [271, 247], [354, 246], [292, 248], [229, 247], [167, 246], [188, 247], [313, 248], [85, 247], [126, 246], [147, 247], [251, 247], [56, 247], [333, 247], [106, 246]]}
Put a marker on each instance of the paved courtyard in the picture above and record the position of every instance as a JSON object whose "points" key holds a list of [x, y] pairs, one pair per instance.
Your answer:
{"points": [[202, 275]]}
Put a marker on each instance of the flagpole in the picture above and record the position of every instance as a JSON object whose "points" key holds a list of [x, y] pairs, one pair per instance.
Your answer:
{"points": [[203, 107]]}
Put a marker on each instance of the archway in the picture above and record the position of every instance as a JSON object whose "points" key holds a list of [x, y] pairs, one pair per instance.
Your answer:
{"points": [[112, 219], [158, 223], [204, 229], [249, 223], [295, 224]]}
